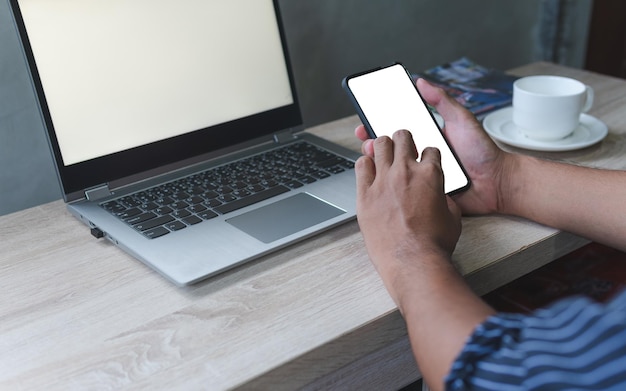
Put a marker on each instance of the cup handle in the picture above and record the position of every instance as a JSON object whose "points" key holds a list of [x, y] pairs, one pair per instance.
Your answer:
{"points": [[588, 100]]}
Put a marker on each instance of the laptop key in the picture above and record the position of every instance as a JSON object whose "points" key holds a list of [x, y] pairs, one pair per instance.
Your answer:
{"points": [[224, 189], [153, 223], [194, 200], [164, 210], [179, 205], [207, 214], [149, 206], [255, 188], [335, 169], [128, 213], [307, 179], [141, 218], [294, 184], [130, 202], [191, 220], [210, 194], [320, 174], [331, 161], [181, 213], [165, 200], [241, 193], [226, 198], [180, 195], [114, 207], [197, 208], [212, 203], [175, 225], [155, 233]]}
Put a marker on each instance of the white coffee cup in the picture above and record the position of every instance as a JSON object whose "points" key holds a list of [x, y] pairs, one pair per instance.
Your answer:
{"points": [[549, 107]]}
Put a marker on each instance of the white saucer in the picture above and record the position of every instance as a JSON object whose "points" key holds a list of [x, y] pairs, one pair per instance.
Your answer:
{"points": [[499, 124]]}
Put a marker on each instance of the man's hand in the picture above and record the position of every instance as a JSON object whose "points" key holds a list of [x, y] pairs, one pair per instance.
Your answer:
{"points": [[485, 163], [402, 210]]}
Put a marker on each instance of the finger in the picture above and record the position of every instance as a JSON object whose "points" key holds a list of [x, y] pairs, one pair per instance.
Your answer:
{"points": [[447, 106], [383, 152], [404, 146], [431, 93], [365, 172], [431, 155], [367, 148], [361, 133]]}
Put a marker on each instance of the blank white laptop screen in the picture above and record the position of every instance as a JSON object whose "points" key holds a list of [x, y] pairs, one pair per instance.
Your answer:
{"points": [[73, 62]]}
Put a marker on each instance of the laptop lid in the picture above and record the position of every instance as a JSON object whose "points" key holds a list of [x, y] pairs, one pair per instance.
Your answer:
{"points": [[128, 88]]}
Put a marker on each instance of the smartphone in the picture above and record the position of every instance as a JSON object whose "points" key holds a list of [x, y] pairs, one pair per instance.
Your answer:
{"points": [[386, 99]]}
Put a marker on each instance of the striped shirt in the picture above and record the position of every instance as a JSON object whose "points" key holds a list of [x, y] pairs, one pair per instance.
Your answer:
{"points": [[575, 344]]}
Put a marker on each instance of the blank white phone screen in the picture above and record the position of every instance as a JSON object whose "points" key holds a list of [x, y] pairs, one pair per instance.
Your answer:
{"points": [[389, 101]]}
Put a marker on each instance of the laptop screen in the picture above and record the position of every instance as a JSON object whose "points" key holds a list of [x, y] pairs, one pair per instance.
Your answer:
{"points": [[128, 81]]}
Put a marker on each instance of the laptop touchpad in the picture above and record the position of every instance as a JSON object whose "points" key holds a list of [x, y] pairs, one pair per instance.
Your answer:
{"points": [[285, 217]]}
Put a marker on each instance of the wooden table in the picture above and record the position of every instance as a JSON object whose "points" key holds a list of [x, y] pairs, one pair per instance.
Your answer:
{"points": [[78, 313]]}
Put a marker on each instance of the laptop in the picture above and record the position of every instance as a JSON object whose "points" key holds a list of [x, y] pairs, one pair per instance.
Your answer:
{"points": [[176, 131]]}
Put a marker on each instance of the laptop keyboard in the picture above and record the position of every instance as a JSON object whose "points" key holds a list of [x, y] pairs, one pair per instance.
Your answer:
{"points": [[176, 205]]}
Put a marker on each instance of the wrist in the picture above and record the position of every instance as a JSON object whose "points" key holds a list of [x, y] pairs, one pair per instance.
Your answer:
{"points": [[511, 182], [420, 276]]}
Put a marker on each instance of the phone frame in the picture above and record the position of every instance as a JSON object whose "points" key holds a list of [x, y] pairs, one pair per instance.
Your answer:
{"points": [[370, 130]]}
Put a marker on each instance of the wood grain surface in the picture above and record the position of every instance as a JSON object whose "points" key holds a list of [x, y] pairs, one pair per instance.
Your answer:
{"points": [[78, 313]]}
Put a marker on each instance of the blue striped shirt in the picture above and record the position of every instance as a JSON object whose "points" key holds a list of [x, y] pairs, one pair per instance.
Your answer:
{"points": [[575, 344]]}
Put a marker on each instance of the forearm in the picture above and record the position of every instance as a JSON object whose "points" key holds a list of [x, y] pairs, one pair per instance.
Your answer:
{"points": [[441, 312], [584, 201]]}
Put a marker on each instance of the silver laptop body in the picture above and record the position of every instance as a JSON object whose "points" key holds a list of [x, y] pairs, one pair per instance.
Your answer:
{"points": [[136, 95]]}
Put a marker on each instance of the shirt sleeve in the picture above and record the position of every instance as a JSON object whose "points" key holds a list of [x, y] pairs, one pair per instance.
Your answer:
{"points": [[573, 344]]}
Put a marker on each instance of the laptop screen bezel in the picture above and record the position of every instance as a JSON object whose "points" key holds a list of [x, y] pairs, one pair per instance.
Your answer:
{"points": [[77, 178]]}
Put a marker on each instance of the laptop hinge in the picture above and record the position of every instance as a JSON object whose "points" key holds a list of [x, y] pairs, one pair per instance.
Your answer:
{"points": [[283, 137], [98, 192]]}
